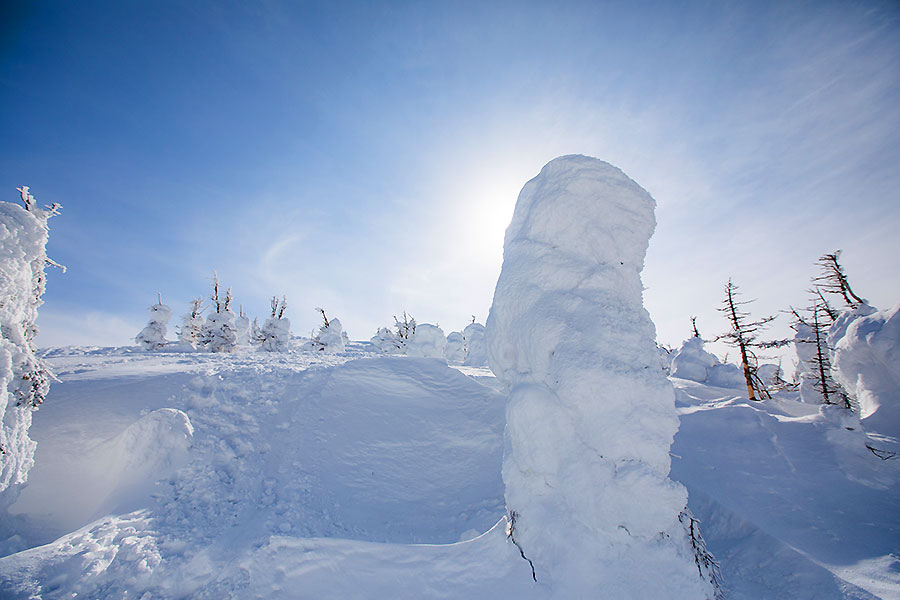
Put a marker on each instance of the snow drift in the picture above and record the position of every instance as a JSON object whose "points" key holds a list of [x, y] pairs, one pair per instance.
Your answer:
{"points": [[591, 415]]}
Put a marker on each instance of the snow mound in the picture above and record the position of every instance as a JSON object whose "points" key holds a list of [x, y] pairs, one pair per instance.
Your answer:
{"points": [[591, 415], [427, 342], [867, 364], [117, 475]]}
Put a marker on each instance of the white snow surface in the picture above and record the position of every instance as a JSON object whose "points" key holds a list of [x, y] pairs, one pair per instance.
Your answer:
{"points": [[427, 342], [311, 475], [331, 337], [591, 415], [694, 363], [455, 349]]}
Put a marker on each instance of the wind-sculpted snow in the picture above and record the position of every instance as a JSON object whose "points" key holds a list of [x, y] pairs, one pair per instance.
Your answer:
{"points": [[591, 415], [867, 365]]}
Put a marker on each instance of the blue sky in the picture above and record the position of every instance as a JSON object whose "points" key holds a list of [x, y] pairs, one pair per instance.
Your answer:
{"points": [[366, 157]]}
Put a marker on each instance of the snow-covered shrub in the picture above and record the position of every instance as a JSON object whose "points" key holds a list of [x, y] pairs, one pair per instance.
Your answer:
{"points": [[867, 364], [476, 349], [386, 341], [218, 333], [394, 342], [275, 334], [692, 361], [24, 378], [455, 349], [153, 336], [330, 338], [427, 342], [242, 328], [591, 416], [192, 324]]}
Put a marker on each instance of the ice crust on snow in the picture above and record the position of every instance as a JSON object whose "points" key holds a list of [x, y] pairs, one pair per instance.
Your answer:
{"points": [[591, 415]]}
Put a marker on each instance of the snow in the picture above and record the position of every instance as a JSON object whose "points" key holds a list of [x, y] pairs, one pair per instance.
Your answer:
{"points": [[591, 415], [364, 476], [867, 364], [428, 341]]}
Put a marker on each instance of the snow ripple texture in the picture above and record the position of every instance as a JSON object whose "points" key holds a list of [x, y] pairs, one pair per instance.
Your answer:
{"points": [[591, 415]]}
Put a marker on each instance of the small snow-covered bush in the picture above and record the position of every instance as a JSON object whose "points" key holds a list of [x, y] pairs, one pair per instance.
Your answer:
{"points": [[242, 328], [153, 336], [219, 334], [192, 324], [331, 337], [692, 362], [386, 341], [275, 334], [24, 378], [427, 342]]}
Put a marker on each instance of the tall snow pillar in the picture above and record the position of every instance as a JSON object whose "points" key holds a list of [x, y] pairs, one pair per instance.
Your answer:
{"points": [[591, 415]]}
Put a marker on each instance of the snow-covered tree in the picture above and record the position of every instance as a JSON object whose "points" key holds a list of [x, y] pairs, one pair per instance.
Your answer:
{"points": [[275, 334], [591, 416], [218, 334], [331, 337], [386, 341], [476, 348], [24, 378], [242, 328], [428, 341], [455, 348], [192, 324], [153, 336]]}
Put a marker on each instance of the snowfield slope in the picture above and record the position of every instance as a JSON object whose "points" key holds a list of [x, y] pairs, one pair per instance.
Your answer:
{"points": [[302, 475]]}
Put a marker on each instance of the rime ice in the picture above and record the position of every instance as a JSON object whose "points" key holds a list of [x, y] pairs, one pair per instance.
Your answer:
{"points": [[591, 415]]}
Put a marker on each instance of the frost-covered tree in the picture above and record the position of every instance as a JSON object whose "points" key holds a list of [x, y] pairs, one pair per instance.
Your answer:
{"points": [[275, 334], [455, 348], [744, 337], [24, 377], [476, 348], [153, 335], [590, 416], [218, 333], [386, 341], [428, 341], [242, 328], [331, 337], [192, 324]]}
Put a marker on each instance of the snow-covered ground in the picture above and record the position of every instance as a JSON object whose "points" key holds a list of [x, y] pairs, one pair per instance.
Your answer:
{"points": [[356, 475]]}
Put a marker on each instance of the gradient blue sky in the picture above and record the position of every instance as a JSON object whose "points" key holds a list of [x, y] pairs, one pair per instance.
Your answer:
{"points": [[366, 157]]}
